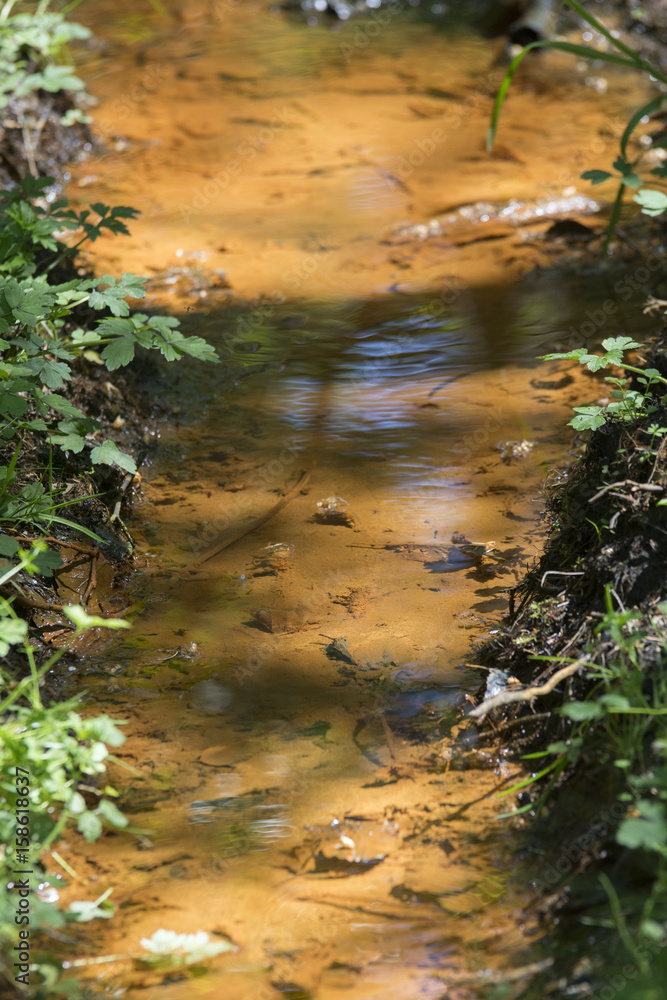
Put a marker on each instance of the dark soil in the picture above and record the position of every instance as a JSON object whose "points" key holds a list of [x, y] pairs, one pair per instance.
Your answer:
{"points": [[607, 532], [33, 139]]}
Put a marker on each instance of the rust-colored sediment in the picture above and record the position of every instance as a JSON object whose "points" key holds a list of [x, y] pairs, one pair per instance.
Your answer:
{"points": [[272, 775]]}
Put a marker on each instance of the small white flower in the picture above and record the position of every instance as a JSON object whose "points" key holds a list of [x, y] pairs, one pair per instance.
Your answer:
{"points": [[191, 947]]}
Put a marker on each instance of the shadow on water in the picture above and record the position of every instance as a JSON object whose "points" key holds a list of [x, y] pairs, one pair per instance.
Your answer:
{"points": [[311, 788], [448, 334]]}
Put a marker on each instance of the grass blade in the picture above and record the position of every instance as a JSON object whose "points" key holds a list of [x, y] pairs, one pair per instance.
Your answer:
{"points": [[577, 50], [648, 109], [614, 217], [617, 43]]}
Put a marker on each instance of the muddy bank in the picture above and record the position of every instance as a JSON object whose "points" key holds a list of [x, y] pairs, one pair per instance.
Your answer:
{"points": [[595, 604]]}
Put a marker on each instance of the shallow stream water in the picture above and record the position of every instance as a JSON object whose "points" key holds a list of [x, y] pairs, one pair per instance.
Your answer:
{"points": [[306, 782]]}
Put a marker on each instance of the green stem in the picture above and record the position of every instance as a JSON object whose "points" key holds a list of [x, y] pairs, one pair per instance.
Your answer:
{"points": [[619, 920], [590, 19], [68, 252], [56, 831], [36, 697], [640, 371], [614, 217], [36, 674], [6, 10]]}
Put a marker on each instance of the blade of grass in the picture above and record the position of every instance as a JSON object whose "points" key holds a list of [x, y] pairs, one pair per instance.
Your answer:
{"points": [[648, 109], [619, 920], [614, 217], [579, 50], [616, 42]]}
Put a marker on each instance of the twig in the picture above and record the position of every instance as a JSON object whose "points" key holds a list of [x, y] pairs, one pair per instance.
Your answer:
{"points": [[653, 304], [513, 723], [257, 523], [124, 485], [35, 605], [560, 572], [92, 581], [525, 694], [651, 487], [86, 549], [29, 602]]}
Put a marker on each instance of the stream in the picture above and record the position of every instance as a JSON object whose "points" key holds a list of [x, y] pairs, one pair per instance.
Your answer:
{"points": [[318, 204]]}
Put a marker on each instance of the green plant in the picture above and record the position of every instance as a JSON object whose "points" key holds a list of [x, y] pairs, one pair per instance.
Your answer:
{"points": [[164, 950], [626, 404], [39, 341], [565, 753], [652, 202], [623, 722], [63, 754], [32, 47]]}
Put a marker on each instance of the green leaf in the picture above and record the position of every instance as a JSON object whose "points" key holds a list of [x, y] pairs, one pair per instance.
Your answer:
{"points": [[82, 619], [45, 562], [111, 813], [620, 343], [85, 338], [113, 297], [52, 78], [84, 911], [68, 437], [62, 405], [175, 344], [566, 356], [615, 346], [77, 804], [54, 374], [32, 187], [582, 711], [109, 454], [652, 930], [649, 830], [28, 303], [8, 546], [11, 405], [90, 826], [588, 418], [119, 352], [652, 202], [105, 729], [596, 362], [596, 176], [633, 181], [622, 165], [12, 630], [614, 702]]}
